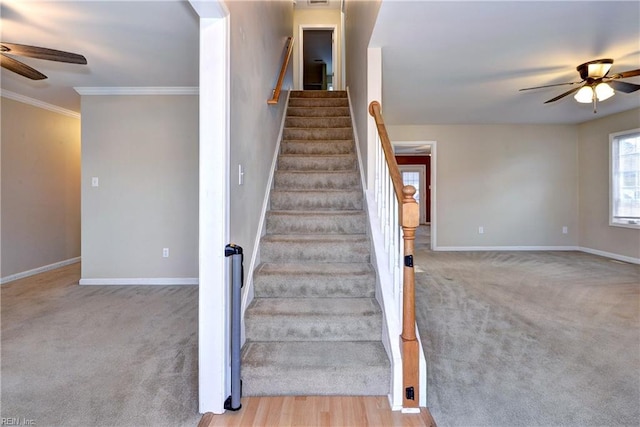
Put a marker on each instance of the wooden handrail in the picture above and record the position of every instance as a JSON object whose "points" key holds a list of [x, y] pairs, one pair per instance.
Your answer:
{"points": [[394, 171], [283, 71], [409, 220]]}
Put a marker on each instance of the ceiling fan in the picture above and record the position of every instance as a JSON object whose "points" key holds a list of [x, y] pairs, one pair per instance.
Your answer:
{"points": [[596, 84], [23, 69]]}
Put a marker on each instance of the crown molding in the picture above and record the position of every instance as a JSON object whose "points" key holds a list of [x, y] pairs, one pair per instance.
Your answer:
{"points": [[178, 90], [37, 103]]}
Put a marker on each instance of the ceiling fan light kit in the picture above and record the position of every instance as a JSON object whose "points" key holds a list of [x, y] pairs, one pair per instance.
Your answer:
{"points": [[601, 92], [596, 84]]}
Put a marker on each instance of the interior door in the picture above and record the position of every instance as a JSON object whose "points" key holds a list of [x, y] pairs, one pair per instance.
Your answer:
{"points": [[416, 175]]}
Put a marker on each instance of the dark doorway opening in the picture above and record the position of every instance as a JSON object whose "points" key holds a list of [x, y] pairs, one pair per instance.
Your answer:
{"points": [[317, 54]]}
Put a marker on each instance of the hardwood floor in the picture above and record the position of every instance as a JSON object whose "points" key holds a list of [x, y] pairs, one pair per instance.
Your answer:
{"points": [[343, 411]]}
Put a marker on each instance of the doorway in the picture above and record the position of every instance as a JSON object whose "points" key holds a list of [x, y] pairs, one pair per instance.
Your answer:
{"points": [[416, 175], [317, 53]]}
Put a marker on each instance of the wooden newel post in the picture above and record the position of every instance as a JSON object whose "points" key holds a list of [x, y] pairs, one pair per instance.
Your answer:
{"points": [[409, 342]]}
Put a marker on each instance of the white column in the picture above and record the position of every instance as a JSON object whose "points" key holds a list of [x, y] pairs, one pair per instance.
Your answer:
{"points": [[214, 292]]}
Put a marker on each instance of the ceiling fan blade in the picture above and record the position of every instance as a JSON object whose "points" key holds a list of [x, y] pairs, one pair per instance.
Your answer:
{"points": [[569, 92], [624, 86], [20, 68], [625, 74], [42, 53], [557, 84]]}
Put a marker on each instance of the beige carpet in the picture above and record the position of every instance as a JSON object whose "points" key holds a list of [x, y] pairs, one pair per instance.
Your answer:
{"points": [[121, 356], [530, 338]]}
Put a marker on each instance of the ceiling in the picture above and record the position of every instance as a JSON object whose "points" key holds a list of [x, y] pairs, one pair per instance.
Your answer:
{"points": [[126, 43], [443, 62], [452, 62]]}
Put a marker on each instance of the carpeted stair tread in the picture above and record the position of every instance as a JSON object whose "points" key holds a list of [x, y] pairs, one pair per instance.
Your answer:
{"points": [[310, 146], [315, 368], [318, 280], [304, 222], [318, 248], [322, 162], [313, 319], [318, 102], [317, 133], [329, 199], [317, 111], [316, 180], [318, 122]]}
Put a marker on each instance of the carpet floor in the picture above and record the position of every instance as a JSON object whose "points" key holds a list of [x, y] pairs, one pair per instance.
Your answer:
{"points": [[529, 338], [98, 355]]}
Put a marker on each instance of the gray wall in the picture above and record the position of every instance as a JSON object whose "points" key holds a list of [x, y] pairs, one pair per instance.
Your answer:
{"points": [[144, 150], [40, 187], [520, 182], [595, 231], [360, 17], [259, 30]]}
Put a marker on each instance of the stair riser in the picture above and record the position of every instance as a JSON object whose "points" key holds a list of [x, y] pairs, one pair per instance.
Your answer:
{"points": [[276, 327], [319, 94], [318, 112], [321, 200], [316, 181], [283, 223], [315, 286], [263, 381], [317, 122], [318, 102], [317, 163], [317, 147], [317, 133], [316, 252]]}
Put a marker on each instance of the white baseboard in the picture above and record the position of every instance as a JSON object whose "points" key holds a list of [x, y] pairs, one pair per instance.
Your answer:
{"points": [[605, 254], [161, 281], [505, 248], [38, 270], [611, 255]]}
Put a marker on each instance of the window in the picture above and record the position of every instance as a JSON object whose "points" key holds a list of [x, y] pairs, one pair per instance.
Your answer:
{"points": [[624, 178]]}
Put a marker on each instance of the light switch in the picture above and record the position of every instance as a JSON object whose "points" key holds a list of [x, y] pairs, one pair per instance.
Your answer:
{"points": [[95, 182]]}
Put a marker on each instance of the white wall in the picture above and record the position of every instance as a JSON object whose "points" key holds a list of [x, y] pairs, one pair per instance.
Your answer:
{"points": [[317, 18], [144, 151], [40, 188], [519, 182], [360, 17], [595, 231], [259, 31]]}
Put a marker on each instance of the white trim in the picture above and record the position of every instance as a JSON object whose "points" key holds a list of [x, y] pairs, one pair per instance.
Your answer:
{"points": [[611, 255], [36, 103], [178, 90], [337, 78], [504, 248], [38, 270], [538, 248], [214, 364], [248, 292], [612, 139], [159, 281]]}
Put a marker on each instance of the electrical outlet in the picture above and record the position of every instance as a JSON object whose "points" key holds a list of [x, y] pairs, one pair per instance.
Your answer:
{"points": [[565, 230], [165, 252], [481, 230]]}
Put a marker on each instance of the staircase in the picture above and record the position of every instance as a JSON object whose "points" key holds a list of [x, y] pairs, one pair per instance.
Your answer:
{"points": [[314, 326]]}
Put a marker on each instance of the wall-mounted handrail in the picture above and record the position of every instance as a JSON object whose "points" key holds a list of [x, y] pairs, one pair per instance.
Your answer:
{"points": [[409, 217], [275, 96]]}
